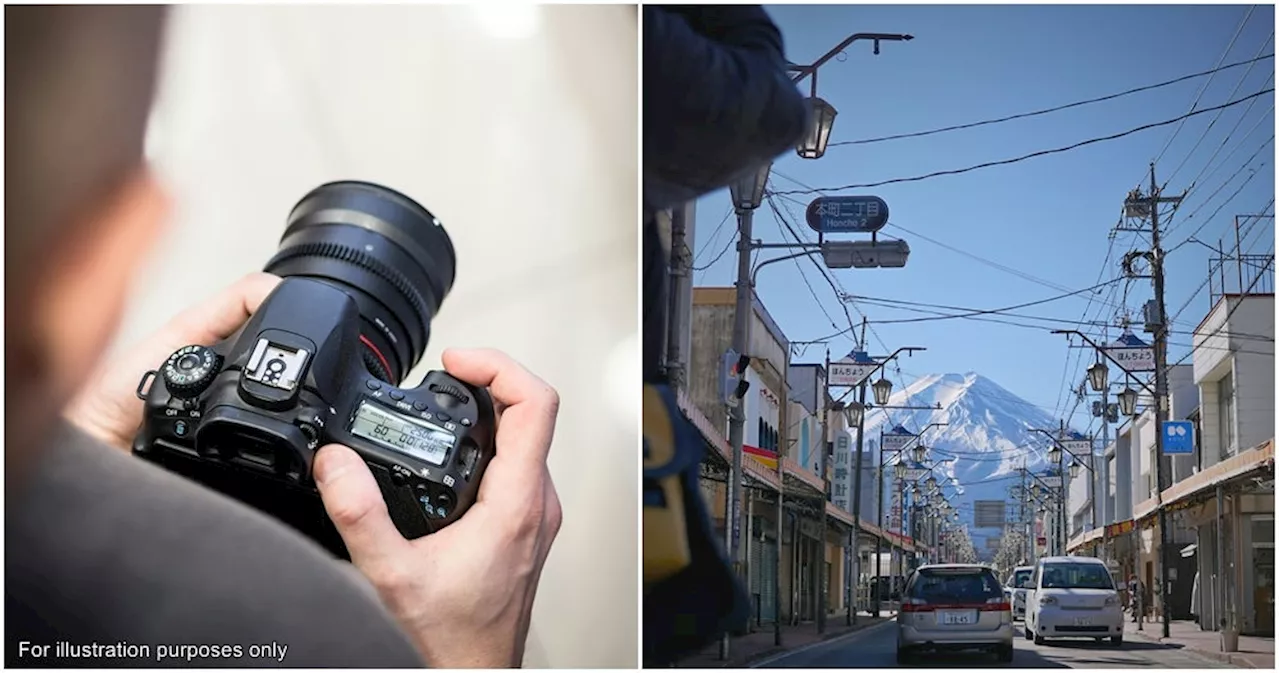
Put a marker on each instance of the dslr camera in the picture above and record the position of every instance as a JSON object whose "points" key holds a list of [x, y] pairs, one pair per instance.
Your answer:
{"points": [[364, 270]]}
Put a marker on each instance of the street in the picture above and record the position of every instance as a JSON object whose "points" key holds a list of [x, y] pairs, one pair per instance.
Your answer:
{"points": [[876, 648]]}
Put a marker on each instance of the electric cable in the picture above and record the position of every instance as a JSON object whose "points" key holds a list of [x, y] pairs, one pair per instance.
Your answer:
{"points": [[711, 240], [1253, 173], [1203, 87], [1056, 108], [1205, 132], [1034, 155]]}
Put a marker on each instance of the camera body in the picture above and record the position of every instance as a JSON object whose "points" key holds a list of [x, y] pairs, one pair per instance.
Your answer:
{"points": [[246, 416]]}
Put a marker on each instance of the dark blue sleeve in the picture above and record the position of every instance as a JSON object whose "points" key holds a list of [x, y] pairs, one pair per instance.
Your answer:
{"points": [[717, 99]]}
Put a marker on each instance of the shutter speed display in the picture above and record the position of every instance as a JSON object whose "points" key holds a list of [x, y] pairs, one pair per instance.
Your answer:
{"points": [[409, 435]]}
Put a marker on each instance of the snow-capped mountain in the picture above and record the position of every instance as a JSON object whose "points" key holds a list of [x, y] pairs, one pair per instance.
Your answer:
{"points": [[986, 441]]}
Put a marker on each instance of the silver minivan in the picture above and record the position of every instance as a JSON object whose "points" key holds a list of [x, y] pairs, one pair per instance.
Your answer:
{"points": [[954, 606]]}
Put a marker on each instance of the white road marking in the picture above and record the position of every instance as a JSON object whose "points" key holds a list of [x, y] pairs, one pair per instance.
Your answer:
{"points": [[838, 639]]}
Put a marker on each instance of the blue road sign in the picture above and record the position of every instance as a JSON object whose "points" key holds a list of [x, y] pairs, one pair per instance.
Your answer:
{"points": [[847, 214], [1179, 438]]}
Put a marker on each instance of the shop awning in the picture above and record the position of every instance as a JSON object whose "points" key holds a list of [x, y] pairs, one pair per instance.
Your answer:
{"points": [[751, 468], [1188, 550], [1238, 465]]}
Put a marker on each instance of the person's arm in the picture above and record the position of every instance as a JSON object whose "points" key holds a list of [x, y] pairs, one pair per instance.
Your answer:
{"points": [[717, 99]]}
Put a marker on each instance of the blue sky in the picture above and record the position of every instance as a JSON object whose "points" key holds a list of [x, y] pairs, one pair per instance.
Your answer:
{"points": [[1048, 218]]}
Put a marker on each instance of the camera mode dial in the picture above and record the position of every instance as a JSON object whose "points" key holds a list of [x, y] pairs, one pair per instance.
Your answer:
{"points": [[190, 370]]}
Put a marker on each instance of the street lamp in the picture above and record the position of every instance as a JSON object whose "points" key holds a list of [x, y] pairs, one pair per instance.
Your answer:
{"points": [[900, 470], [931, 484], [920, 453], [854, 413], [1128, 400], [1055, 454], [1075, 470], [1098, 376], [814, 143], [748, 191], [881, 390]]}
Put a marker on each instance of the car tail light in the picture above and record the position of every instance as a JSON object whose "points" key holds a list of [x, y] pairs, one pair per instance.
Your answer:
{"points": [[995, 605], [916, 605]]}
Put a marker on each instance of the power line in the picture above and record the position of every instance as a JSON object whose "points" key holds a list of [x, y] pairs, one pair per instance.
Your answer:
{"points": [[1205, 86], [1208, 277], [1205, 132], [1209, 219], [813, 293], [975, 312], [1227, 319], [1033, 155], [1240, 120], [1041, 328], [978, 258], [711, 240], [1036, 113]]}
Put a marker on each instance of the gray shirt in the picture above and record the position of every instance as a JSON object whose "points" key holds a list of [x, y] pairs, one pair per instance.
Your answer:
{"points": [[112, 561]]}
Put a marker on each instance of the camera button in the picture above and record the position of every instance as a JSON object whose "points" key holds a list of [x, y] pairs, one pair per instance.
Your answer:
{"points": [[398, 478], [441, 416], [396, 395], [419, 406], [372, 385], [180, 428], [466, 422]]}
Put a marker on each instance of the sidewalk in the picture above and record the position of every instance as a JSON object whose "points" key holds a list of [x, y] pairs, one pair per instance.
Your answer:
{"points": [[1255, 651], [753, 647]]}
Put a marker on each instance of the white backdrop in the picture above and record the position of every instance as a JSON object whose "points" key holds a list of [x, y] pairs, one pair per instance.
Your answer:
{"points": [[517, 127]]}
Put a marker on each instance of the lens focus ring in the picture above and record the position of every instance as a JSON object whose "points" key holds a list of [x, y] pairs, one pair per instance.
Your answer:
{"points": [[368, 262]]}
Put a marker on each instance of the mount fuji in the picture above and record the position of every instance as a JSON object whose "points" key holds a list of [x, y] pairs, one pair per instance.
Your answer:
{"points": [[986, 442]]}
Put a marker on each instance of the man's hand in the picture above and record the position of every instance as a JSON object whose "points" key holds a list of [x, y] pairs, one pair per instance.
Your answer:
{"points": [[464, 594], [108, 408]]}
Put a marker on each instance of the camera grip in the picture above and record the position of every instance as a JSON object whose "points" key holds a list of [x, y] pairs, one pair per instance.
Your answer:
{"points": [[402, 504]]}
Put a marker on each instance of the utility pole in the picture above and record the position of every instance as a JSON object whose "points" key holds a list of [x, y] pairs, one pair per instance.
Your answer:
{"points": [[1159, 325], [1162, 390], [680, 307], [1093, 475], [1062, 491], [1025, 510], [821, 564], [879, 514], [738, 415], [857, 488]]}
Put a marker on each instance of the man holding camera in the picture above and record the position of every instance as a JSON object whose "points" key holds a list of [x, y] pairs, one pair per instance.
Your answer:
{"points": [[104, 548]]}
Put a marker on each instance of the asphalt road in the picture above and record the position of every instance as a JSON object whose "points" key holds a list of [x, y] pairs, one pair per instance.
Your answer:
{"points": [[876, 647]]}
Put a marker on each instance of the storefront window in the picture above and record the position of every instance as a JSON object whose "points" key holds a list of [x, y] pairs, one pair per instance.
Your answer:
{"points": [[1226, 416]]}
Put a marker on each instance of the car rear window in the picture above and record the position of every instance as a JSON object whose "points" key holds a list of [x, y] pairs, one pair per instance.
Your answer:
{"points": [[1021, 577], [938, 585], [1076, 576]]}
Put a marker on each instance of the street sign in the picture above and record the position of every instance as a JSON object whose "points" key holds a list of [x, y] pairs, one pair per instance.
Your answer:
{"points": [[1078, 447], [895, 442], [1179, 438], [865, 254], [847, 214], [1133, 354], [851, 370]]}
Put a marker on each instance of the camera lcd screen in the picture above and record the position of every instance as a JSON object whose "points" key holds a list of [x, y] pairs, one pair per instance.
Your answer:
{"points": [[415, 437]]}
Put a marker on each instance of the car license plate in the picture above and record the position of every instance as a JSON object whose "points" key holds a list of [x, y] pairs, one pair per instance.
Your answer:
{"points": [[957, 617], [1084, 621]]}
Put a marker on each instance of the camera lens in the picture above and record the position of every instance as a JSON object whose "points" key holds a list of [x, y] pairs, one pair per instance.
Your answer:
{"points": [[387, 252]]}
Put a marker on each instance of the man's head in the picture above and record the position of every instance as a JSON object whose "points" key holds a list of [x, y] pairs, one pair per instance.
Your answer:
{"points": [[80, 208]]}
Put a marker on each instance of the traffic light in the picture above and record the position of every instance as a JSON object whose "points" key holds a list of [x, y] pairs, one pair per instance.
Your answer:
{"points": [[733, 375]]}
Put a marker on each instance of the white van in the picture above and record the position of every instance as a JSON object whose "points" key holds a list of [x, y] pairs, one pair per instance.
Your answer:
{"points": [[1073, 597]]}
